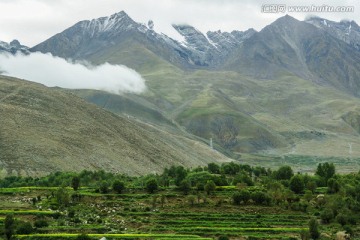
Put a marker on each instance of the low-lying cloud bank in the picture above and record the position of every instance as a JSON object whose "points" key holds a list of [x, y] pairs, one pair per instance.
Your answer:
{"points": [[54, 71]]}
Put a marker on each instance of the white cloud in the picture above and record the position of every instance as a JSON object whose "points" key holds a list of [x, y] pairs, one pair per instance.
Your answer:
{"points": [[54, 71], [17, 18]]}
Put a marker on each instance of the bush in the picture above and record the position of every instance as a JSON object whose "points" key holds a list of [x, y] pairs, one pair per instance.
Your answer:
{"points": [[348, 230], [283, 173], [210, 187], [9, 225], [314, 229], [185, 186], [41, 223], [223, 237], [118, 186], [104, 187], [151, 185], [236, 198], [327, 215], [24, 228], [260, 198], [83, 236], [341, 218]]}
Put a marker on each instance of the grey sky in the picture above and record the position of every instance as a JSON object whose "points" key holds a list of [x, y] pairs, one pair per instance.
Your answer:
{"points": [[33, 21]]}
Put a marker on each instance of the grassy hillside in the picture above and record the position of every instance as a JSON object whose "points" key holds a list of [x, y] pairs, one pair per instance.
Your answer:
{"points": [[44, 130], [286, 115]]}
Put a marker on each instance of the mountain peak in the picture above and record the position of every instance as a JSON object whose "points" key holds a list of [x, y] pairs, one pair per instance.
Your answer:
{"points": [[115, 22], [345, 30], [287, 19]]}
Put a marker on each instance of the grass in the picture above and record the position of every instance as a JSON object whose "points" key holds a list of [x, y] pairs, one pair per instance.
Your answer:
{"points": [[26, 212], [123, 236]]}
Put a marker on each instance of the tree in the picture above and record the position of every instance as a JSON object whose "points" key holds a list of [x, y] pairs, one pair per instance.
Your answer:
{"points": [[297, 184], [162, 200], [242, 196], [118, 186], [180, 174], [9, 225], [311, 185], [191, 199], [185, 186], [213, 168], [333, 185], [314, 229], [245, 196], [243, 177], [151, 185], [75, 183], [104, 187], [260, 197], [62, 196], [326, 170], [209, 187], [284, 173]]}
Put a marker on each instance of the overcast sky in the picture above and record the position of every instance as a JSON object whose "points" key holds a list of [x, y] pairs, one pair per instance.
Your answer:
{"points": [[33, 21]]}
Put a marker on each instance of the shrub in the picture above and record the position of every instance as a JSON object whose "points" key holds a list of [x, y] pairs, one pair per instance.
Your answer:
{"points": [[24, 228], [210, 187], [83, 236], [104, 188], [283, 173], [41, 223], [327, 215], [185, 186], [151, 185], [260, 198], [348, 230], [223, 237], [118, 186], [314, 229], [341, 218], [9, 225]]}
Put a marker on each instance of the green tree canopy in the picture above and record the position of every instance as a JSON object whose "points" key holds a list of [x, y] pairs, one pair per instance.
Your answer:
{"points": [[297, 184]]}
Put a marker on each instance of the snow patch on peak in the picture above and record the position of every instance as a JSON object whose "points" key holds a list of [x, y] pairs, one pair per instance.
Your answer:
{"points": [[110, 23], [4, 45]]}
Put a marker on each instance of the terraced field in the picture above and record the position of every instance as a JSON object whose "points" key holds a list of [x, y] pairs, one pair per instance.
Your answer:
{"points": [[138, 215]]}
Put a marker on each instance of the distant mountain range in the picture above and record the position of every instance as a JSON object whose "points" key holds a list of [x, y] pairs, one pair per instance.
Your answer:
{"points": [[291, 89], [13, 47]]}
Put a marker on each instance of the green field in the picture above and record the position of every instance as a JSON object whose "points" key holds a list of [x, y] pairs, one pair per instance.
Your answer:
{"points": [[273, 209]]}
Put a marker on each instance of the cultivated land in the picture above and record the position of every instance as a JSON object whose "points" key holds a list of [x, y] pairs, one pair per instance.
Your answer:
{"points": [[222, 202]]}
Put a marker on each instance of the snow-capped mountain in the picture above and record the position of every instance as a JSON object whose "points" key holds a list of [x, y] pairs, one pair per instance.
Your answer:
{"points": [[347, 31], [91, 36], [13, 47], [285, 46]]}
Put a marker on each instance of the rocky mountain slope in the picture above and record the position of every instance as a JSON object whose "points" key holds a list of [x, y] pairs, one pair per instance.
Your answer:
{"points": [[98, 37], [347, 31], [44, 130]]}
